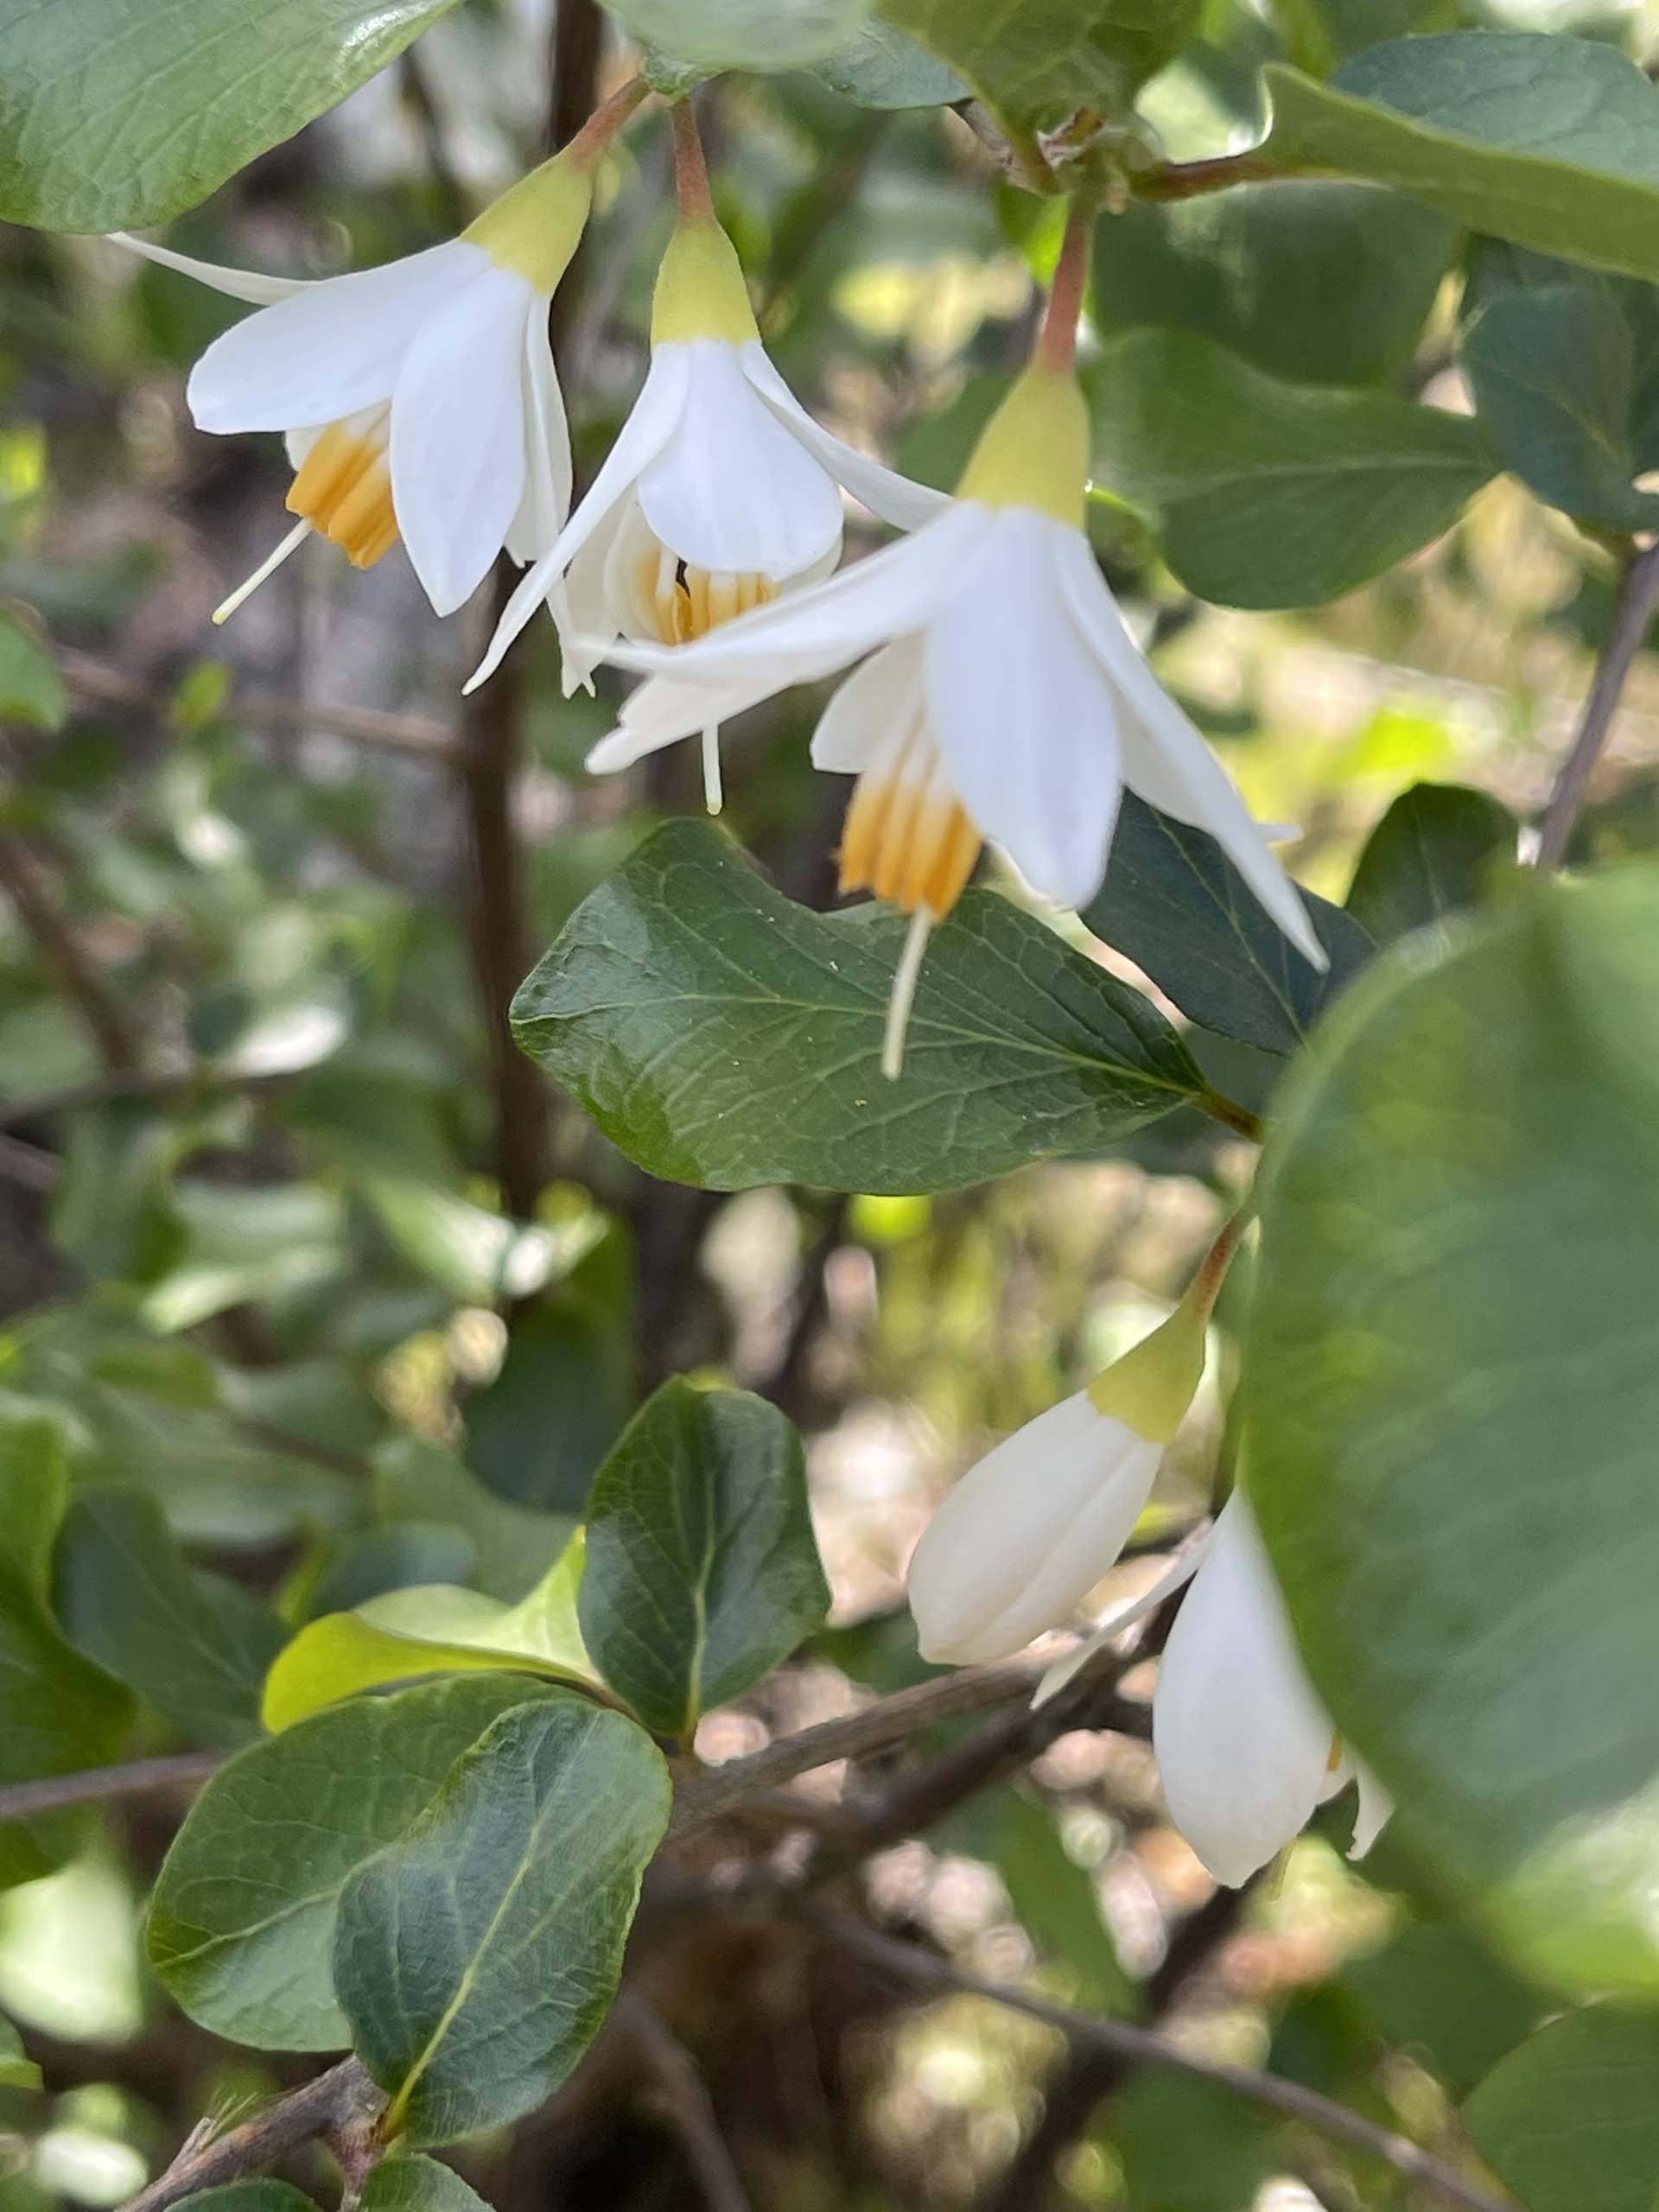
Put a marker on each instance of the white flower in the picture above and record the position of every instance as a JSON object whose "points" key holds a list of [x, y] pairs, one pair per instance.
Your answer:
{"points": [[419, 399], [1005, 698], [1028, 1533], [720, 494], [1245, 1751]]}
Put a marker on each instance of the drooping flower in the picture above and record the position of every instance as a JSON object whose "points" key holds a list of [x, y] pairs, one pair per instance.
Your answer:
{"points": [[1030, 1529], [720, 495], [1245, 1750], [418, 399], [1004, 697]]}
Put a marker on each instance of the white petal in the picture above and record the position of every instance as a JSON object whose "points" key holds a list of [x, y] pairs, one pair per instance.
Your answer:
{"points": [[1028, 1532], [546, 505], [1121, 1618], [875, 699], [886, 493], [584, 604], [1175, 770], [458, 462], [662, 712], [1243, 1747], [893, 591], [733, 490], [1025, 716], [329, 350], [649, 425], [1376, 1809], [238, 284]]}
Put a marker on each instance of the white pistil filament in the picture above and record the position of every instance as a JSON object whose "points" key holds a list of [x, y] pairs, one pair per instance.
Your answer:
{"points": [[687, 603], [341, 490], [908, 840]]}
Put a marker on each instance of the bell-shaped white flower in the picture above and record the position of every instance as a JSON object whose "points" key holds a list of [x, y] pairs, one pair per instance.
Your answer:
{"points": [[721, 494], [418, 399], [1004, 699], [1245, 1750], [1029, 1531]]}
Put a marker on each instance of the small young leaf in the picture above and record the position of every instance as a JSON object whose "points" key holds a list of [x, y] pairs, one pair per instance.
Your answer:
{"points": [[1037, 61], [703, 1573], [1569, 2119], [1176, 905], [195, 1646], [242, 1922], [721, 1035], [1266, 494], [882, 68], [408, 2182], [250, 2197], [476, 1957], [1432, 855], [1552, 142]]}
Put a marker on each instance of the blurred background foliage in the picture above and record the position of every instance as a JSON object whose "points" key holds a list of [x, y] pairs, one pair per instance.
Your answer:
{"points": [[292, 1243]]}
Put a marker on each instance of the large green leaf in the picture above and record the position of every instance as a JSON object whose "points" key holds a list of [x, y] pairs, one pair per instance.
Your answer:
{"points": [[1453, 1387], [408, 2182], [193, 1646], [120, 112], [58, 1711], [1176, 905], [703, 1573], [1036, 61], [250, 2197], [1266, 494], [1552, 142], [1570, 2120], [882, 68], [1259, 268], [722, 1036], [1563, 365], [1434, 854], [1434, 1990], [476, 1957], [242, 1922]]}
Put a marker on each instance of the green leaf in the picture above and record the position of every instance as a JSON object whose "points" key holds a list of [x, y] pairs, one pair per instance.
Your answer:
{"points": [[515, 1545], [1570, 2120], [17, 2069], [1258, 268], [1265, 494], [31, 690], [1176, 905], [1038, 61], [476, 1957], [1433, 854], [1563, 365], [1434, 1991], [195, 1646], [408, 2182], [429, 1631], [1552, 142], [242, 1922], [1452, 1388], [538, 1432], [703, 1573], [251, 2196], [58, 1712], [882, 68], [115, 113], [722, 1036], [709, 35], [234, 1247], [478, 1255]]}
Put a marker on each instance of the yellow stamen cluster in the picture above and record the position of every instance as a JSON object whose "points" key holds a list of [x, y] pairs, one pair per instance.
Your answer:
{"points": [[344, 490], [687, 603], [908, 841]]}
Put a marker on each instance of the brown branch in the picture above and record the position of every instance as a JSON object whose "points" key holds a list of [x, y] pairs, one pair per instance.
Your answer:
{"points": [[342, 2102], [106, 687], [26, 884], [1187, 180], [1142, 2047], [1633, 613], [53, 1793], [28, 1166], [682, 2097]]}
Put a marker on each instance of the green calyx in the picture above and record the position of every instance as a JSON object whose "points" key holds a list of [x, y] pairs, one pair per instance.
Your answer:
{"points": [[1034, 450], [700, 289], [1150, 1389], [536, 225]]}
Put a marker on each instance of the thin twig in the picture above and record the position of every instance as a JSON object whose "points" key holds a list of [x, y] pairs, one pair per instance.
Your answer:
{"points": [[682, 2097], [1633, 613], [98, 686], [28, 1166], [1142, 2047], [1187, 179], [339, 2101], [53, 1793], [35, 900]]}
